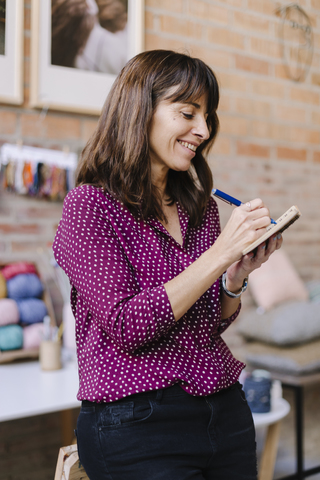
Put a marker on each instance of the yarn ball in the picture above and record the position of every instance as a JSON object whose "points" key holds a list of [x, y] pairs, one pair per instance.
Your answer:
{"points": [[13, 269], [32, 335], [9, 312], [3, 286], [11, 337], [24, 285], [31, 310]]}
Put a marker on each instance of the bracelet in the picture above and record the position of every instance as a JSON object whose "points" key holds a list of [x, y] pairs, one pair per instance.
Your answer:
{"points": [[231, 294]]}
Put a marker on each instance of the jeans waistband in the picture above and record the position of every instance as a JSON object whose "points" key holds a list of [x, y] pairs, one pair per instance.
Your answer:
{"points": [[173, 391]]}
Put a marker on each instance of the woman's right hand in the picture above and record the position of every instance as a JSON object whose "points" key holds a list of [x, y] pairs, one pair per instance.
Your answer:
{"points": [[247, 223]]}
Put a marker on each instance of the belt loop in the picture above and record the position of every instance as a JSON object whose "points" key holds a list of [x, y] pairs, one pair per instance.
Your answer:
{"points": [[159, 395]]}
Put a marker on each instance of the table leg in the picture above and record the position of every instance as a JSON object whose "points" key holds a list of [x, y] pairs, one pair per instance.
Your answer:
{"points": [[67, 427], [298, 401], [299, 426], [269, 453]]}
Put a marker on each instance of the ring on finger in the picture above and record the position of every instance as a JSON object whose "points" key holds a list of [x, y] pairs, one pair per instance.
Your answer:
{"points": [[248, 204]]}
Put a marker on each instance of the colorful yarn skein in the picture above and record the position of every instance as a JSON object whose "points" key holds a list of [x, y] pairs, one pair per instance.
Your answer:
{"points": [[24, 285]]}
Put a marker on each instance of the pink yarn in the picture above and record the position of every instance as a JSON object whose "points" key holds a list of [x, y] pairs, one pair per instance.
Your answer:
{"points": [[32, 335], [13, 269], [9, 312]]}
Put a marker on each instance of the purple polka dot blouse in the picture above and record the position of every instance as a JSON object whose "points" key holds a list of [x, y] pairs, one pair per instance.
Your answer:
{"points": [[127, 338]]}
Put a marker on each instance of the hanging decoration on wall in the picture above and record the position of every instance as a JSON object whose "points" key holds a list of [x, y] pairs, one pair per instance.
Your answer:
{"points": [[296, 38], [37, 172]]}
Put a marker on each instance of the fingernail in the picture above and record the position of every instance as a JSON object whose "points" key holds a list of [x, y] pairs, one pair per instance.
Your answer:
{"points": [[279, 236], [263, 246]]}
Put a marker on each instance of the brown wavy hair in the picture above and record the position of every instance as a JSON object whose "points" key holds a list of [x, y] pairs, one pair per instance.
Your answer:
{"points": [[117, 155]]}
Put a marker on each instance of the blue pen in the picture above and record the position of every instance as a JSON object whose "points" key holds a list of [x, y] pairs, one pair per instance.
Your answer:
{"points": [[231, 200]]}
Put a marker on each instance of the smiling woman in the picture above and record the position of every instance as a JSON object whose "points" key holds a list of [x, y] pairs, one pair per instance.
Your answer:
{"points": [[140, 241]]}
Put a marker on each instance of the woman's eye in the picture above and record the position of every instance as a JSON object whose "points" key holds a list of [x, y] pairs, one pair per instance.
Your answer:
{"points": [[188, 116]]}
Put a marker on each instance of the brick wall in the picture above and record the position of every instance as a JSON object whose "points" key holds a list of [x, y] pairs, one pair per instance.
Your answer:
{"points": [[268, 145], [269, 141]]}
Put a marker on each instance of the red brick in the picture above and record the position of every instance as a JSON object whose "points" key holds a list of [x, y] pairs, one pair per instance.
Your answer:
{"points": [[250, 22], [255, 108], [253, 150], [214, 57], [226, 37], [315, 79], [290, 114], [62, 127], [232, 125], [156, 41], [261, 128], [175, 6], [8, 229], [251, 64], [305, 135], [8, 122], [88, 127], [316, 118], [149, 20], [234, 82], [316, 157], [27, 47], [206, 11], [31, 125], [222, 146], [304, 95], [291, 154], [261, 6], [27, 18], [181, 27], [269, 48], [267, 88]]}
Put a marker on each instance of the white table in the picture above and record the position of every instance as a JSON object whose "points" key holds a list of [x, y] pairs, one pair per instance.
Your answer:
{"points": [[272, 420], [30, 391]]}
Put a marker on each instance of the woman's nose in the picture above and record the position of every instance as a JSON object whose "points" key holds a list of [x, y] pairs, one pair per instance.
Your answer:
{"points": [[201, 129]]}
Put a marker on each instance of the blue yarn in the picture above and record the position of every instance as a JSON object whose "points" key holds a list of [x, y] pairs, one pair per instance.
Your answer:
{"points": [[257, 391], [24, 285], [31, 310], [11, 337]]}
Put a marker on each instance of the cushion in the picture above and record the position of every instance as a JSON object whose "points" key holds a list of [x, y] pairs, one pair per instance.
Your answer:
{"points": [[288, 324], [313, 288], [276, 281], [300, 360]]}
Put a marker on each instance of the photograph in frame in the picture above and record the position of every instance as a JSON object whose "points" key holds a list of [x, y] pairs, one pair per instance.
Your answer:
{"points": [[77, 49], [11, 51]]}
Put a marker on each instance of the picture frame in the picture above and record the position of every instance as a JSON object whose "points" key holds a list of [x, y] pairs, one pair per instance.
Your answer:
{"points": [[11, 59], [74, 89]]}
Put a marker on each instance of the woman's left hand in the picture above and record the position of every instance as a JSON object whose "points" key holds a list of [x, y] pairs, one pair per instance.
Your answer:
{"points": [[238, 271]]}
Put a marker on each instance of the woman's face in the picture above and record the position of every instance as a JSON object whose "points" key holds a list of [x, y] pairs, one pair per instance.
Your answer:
{"points": [[177, 129]]}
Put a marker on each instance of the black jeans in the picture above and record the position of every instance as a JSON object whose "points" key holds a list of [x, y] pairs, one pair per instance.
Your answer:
{"points": [[169, 435]]}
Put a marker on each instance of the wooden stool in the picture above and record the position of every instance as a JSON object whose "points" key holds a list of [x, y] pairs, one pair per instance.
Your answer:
{"points": [[69, 466]]}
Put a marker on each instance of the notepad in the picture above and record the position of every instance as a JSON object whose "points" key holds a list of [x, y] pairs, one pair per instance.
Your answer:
{"points": [[283, 222]]}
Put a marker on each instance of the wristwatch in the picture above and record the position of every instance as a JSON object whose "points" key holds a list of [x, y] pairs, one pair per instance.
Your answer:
{"points": [[231, 294]]}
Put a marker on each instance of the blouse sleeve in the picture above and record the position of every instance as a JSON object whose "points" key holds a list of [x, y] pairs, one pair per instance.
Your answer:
{"points": [[88, 250]]}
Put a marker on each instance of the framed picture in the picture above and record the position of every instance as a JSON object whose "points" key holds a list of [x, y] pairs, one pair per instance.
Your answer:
{"points": [[77, 49], [11, 51]]}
